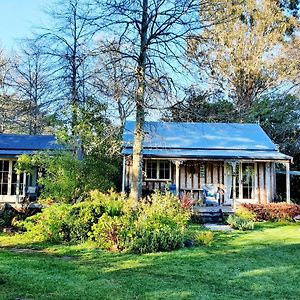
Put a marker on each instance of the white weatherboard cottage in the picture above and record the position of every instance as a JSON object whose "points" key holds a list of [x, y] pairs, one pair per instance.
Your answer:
{"points": [[239, 160], [14, 187]]}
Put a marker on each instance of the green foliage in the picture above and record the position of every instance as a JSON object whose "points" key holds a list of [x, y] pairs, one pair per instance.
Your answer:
{"points": [[279, 117], [91, 130], [156, 224], [96, 142], [203, 238], [80, 219], [82, 216], [73, 223], [240, 223], [65, 177], [24, 164], [62, 178], [111, 232], [100, 172], [48, 225], [244, 213], [155, 237], [112, 203], [200, 108], [115, 223]]}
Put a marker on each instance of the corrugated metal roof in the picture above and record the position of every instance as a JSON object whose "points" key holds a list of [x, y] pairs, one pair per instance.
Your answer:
{"points": [[204, 140], [201, 136], [13, 153], [16, 144]]}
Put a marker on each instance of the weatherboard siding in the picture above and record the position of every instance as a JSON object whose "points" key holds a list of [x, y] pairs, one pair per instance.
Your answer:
{"points": [[194, 174]]}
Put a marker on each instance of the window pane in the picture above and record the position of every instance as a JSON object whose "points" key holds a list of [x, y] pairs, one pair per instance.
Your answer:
{"points": [[13, 179], [151, 169], [164, 170], [4, 189]]}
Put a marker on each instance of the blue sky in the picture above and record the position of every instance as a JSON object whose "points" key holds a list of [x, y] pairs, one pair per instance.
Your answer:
{"points": [[18, 17]]}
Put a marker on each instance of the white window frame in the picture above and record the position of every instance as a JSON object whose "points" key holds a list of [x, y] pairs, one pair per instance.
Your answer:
{"points": [[157, 169], [19, 192]]}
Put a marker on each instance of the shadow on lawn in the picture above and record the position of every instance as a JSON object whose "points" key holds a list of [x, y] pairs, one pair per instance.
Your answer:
{"points": [[235, 267], [254, 272]]}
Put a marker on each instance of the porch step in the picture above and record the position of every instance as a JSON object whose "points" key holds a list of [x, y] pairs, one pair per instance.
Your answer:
{"points": [[213, 214]]}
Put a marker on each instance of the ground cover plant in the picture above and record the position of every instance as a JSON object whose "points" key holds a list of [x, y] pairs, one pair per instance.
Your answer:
{"points": [[259, 264]]}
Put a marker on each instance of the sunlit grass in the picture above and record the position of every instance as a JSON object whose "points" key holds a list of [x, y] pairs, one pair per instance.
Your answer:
{"points": [[260, 264]]}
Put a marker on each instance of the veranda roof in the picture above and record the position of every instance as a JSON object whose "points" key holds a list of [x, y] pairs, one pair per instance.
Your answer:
{"points": [[204, 140]]}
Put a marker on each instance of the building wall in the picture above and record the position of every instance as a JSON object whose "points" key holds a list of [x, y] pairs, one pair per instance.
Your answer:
{"points": [[194, 174]]}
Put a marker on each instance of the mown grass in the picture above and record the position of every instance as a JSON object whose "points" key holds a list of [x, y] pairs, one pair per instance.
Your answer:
{"points": [[261, 264]]}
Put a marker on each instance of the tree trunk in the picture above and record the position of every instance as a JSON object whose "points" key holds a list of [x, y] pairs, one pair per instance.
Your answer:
{"points": [[137, 176]]}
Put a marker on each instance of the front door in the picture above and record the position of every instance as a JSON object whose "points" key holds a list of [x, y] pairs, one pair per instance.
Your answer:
{"points": [[247, 181], [244, 182]]}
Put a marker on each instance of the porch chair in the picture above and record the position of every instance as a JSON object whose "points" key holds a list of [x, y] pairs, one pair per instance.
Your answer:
{"points": [[211, 195]]}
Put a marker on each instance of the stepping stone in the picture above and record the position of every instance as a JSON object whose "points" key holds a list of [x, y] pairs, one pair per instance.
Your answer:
{"points": [[218, 227]]}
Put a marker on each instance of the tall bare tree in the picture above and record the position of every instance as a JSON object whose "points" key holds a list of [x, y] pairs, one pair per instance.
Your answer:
{"points": [[67, 43], [152, 35], [114, 79], [29, 79]]}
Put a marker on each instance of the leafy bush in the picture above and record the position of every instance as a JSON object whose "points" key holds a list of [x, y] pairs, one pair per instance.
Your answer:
{"points": [[49, 224], [84, 215], [154, 236], [161, 225], [281, 211], [115, 223], [203, 238], [240, 223], [112, 232], [156, 224], [65, 178], [245, 213], [73, 223]]}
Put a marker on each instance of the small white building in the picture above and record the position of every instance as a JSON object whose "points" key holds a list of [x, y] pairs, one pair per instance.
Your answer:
{"points": [[14, 187]]}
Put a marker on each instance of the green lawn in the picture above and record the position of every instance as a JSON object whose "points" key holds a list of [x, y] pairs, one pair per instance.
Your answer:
{"points": [[262, 264]]}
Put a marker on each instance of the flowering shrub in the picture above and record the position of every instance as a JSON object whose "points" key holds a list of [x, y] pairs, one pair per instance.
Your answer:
{"points": [[281, 211]]}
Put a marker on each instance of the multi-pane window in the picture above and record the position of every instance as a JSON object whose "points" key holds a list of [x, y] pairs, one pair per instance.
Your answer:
{"points": [[4, 172], [158, 169], [9, 180]]}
